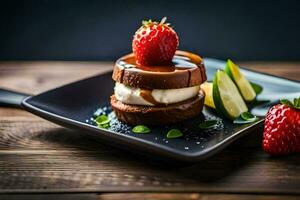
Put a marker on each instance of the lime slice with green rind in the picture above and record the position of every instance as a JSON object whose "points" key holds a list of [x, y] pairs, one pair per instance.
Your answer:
{"points": [[226, 96], [244, 86]]}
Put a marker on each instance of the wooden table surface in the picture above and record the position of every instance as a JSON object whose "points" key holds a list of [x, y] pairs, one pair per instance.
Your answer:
{"points": [[39, 159]]}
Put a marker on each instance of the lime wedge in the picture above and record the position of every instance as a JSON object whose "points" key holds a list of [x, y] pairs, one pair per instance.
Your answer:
{"points": [[241, 81], [227, 98], [207, 87]]}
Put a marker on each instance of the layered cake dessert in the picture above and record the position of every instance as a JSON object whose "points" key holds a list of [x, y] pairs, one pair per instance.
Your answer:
{"points": [[157, 84]]}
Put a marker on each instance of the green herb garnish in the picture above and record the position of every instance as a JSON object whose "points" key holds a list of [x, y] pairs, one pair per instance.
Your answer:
{"points": [[174, 133], [295, 104], [208, 124], [141, 129], [248, 116], [245, 118], [257, 88], [102, 121]]}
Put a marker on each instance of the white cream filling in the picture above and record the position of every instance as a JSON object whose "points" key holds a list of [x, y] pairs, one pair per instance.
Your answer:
{"points": [[132, 96]]}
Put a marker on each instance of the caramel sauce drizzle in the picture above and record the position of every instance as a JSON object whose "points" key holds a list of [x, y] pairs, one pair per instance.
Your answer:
{"points": [[180, 62], [147, 95]]}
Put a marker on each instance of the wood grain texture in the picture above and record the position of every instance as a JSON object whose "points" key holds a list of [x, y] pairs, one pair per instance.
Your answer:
{"points": [[91, 196], [36, 77], [145, 196], [38, 156], [290, 70], [191, 196]]}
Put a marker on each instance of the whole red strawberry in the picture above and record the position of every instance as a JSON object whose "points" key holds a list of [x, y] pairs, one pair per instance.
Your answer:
{"points": [[154, 43], [282, 128]]}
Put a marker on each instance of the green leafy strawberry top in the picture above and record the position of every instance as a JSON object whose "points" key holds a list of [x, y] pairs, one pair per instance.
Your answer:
{"points": [[295, 104], [147, 23]]}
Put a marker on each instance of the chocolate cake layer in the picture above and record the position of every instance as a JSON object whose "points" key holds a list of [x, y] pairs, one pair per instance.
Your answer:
{"points": [[188, 70], [158, 115]]}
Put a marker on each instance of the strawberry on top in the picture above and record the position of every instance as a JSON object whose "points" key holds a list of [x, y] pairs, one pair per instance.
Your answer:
{"points": [[154, 44]]}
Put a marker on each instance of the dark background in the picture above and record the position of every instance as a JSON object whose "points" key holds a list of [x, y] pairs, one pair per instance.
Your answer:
{"points": [[102, 30]]}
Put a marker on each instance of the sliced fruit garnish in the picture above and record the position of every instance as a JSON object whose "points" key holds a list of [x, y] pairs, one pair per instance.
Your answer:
{"points": [[207, 87], [226, 96], [240, 80]]}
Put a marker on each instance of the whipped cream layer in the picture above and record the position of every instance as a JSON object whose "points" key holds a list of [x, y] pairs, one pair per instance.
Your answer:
{"points": [[137, 96]]}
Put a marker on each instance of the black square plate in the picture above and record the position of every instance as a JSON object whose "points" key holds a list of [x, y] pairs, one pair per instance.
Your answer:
{"points": [[73, 106]]}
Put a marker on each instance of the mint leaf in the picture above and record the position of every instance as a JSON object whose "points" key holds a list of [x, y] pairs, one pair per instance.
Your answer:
{"points": [[174, 133], [257, 88], [102, 119], [248, 116], [141, 129], [208, 124], [245, 118]]}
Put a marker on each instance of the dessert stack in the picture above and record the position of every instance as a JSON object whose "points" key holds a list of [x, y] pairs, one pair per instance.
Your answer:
{"points": [[157, 84]]}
